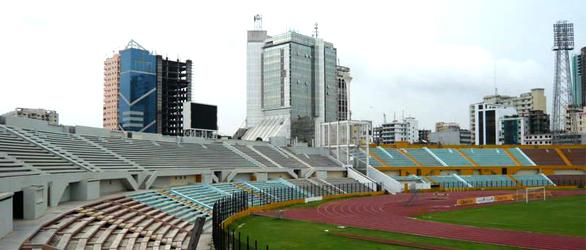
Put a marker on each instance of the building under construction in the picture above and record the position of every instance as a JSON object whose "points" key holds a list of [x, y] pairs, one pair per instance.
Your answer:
{"points": [[173, 89]]}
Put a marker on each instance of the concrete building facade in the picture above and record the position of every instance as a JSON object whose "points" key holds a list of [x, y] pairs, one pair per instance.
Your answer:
{"points": [[579, 78]]}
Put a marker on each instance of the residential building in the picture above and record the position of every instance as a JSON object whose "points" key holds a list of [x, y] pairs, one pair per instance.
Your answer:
{"points": [[51, 116], [111, 89], [291, 86], [144, 92], [398, 131], [344, 79], [487, 122]]}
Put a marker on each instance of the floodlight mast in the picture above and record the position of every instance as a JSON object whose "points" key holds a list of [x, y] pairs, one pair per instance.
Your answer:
{"points": [[563, 42]]}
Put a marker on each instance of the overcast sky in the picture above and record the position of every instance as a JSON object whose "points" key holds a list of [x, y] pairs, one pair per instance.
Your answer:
{"points": [[430, 59]]}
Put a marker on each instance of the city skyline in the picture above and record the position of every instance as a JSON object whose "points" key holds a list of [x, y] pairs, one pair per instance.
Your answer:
{"points": [[409, 57]]}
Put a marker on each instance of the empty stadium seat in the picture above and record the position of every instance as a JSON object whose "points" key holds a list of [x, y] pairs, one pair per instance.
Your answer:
{"points": [[577, 156], [489, 156], [544, 157], [424, 157], [392, 157], [451, 157], [533, 180], [448, 181], [488, 180], [520, 156]]}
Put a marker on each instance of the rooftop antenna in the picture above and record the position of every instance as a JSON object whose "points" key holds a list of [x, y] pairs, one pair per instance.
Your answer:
{"points": [[394, 116], [384, 118], [257, 22], [315, 30], [402, 114]]}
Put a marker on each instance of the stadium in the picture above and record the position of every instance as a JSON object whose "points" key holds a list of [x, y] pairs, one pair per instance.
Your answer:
{"points": [[74, 187]]}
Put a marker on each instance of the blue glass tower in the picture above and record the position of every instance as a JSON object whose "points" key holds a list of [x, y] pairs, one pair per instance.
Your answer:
{"points": [[138, 90]]}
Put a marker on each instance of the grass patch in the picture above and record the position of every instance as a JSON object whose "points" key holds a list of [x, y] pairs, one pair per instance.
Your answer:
{"points": [[293, 234], [561, 216]]}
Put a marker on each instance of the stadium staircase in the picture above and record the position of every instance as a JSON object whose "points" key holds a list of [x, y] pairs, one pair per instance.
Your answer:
{"points": [[563, 157], [517, 162], [467, 157]]}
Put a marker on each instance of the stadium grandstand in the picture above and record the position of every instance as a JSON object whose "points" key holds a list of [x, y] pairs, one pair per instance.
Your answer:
{"points": [[95, 188]]}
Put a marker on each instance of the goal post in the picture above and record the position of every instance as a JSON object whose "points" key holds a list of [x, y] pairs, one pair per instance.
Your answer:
{"points": [[531, 193]]}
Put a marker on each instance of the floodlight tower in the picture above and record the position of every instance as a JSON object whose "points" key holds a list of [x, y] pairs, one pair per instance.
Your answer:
{"points": [[563, 42]]}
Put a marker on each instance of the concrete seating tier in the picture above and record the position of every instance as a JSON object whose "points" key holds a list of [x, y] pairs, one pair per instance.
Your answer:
{"points": [[318, 161], [451, 157], [424, 157], [361, 156], [85, 151], [245, 149], [169, 205], [488, 156], [10, 168], [279, 157], [544, 157], [392, 157], [532, 180], [161, 155], [520, 156], [120, 223], [577, 156], [41, 159], [489, 180], [448, 181]]}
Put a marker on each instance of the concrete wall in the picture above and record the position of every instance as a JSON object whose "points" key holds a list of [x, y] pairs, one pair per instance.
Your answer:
{"points": [[6, 221], [34, 201], [274, 176], [111, 187]]}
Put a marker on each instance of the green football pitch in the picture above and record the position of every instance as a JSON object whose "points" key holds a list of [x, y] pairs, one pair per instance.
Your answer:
{"points": [[293, 234], [561, 216]]}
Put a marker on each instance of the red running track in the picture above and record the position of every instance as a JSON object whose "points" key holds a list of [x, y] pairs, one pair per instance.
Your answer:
{"points": [[389, 213]]}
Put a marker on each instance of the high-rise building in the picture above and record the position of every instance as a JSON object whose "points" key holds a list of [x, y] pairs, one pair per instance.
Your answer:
{"points": [[51, 116], [111, 88], [487, 122], [579, 79], [291, 85], [344, 79], [534, 100], [398, 131], [137, 107], [144, 92]]}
